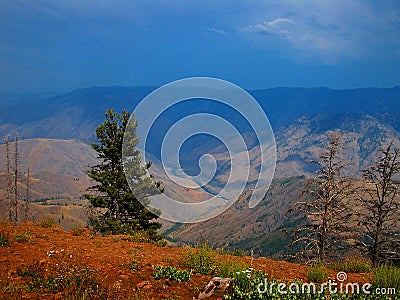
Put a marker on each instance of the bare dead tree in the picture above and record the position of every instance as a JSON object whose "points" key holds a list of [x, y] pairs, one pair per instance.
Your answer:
{"points": [[379, 215], [7, 142], [325, 204], [16, 180], [27, 195]]}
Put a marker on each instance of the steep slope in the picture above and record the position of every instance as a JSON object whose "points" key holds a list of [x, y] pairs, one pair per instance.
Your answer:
{"points": [[244, 228], [265, 228], [363, 136]]}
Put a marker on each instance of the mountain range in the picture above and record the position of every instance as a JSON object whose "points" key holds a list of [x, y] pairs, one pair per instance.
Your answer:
{"points": [[56, 131]]}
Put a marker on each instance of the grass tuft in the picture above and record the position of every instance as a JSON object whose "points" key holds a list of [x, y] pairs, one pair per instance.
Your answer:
{"points": [[318, 273], [353, 265], [4, 240], [387, 277]]}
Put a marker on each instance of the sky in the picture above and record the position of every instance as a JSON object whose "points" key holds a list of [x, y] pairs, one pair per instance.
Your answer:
{"points": [[58, 46]]}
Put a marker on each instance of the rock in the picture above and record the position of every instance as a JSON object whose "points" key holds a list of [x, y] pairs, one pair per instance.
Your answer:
{"points": [[222, 283], [123, 277], [147, 287], [143, 284]]}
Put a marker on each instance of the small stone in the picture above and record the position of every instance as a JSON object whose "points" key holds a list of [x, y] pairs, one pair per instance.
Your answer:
{"points": [[123, 277], [165, 296], [143, 284], [147, 287]]}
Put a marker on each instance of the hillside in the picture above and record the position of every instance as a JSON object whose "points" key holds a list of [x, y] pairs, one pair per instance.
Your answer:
{"points": [[264, 229], [60, 127], [47, 263]]}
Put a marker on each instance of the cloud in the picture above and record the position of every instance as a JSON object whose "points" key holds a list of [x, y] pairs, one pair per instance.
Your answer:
{"points": [[215, 30], [276, 26], [328, 30]]}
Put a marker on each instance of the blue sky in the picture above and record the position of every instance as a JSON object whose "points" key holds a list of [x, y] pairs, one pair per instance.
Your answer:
{"points": [[58, 46]]}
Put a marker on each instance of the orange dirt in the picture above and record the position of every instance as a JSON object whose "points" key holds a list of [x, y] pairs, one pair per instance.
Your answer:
{"points": [[52, 248]]}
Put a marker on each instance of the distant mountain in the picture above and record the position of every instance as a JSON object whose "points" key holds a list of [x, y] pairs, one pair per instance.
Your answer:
{"points": [[284, 105], [75, 115]]}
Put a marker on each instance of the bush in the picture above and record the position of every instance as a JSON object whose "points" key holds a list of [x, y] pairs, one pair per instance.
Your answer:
{"points": [[78, 231], [353, 265], [46, 222], [143, 236], [161, 272], [4, 240], [318, 273], [201, 259], [134, 265], [23, 238], [387, 276], [228, 266], [69, 280]]}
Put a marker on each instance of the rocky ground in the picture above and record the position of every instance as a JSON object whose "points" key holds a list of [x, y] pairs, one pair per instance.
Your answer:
{"points": [[49, 263]]}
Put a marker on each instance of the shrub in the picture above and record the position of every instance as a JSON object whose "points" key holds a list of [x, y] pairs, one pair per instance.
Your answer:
{"points": [[201, 259], [4, 240], [46, 222], [161, 272], [70, 280], [133, 265], [387, 276], [33, 271], [246, 286], [23, 238], [317, 273], [147, 236], [234, 252], [353, 265], [228, 266], [78, 231]]}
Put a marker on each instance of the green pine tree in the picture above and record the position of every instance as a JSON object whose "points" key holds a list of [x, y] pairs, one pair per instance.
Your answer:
{"points": [[115, 208]]}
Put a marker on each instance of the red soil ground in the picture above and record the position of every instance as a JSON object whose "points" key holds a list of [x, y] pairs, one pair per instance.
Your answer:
{"points": [[52, 250]]}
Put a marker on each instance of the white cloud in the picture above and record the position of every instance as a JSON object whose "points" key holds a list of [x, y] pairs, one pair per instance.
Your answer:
{"points": [[279, 26], [329, 30], [216, 30]]}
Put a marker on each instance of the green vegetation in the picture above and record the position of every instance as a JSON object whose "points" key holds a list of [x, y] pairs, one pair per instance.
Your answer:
{"points": [[353, 265], [134, 265], [228, 266], [318, 273], [114, 207], [161, 272], [78, 231], [23, 238], [72, 282], [147, 236], [387, 276], [4, 240], [46, 222], [202, 259]]}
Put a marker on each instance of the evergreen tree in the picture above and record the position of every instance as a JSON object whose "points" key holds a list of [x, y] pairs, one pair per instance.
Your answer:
{"points": [[115, 208]]}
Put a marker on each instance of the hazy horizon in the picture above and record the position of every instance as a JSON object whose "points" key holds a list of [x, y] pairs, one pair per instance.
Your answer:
{"points": [[56, 47]]}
